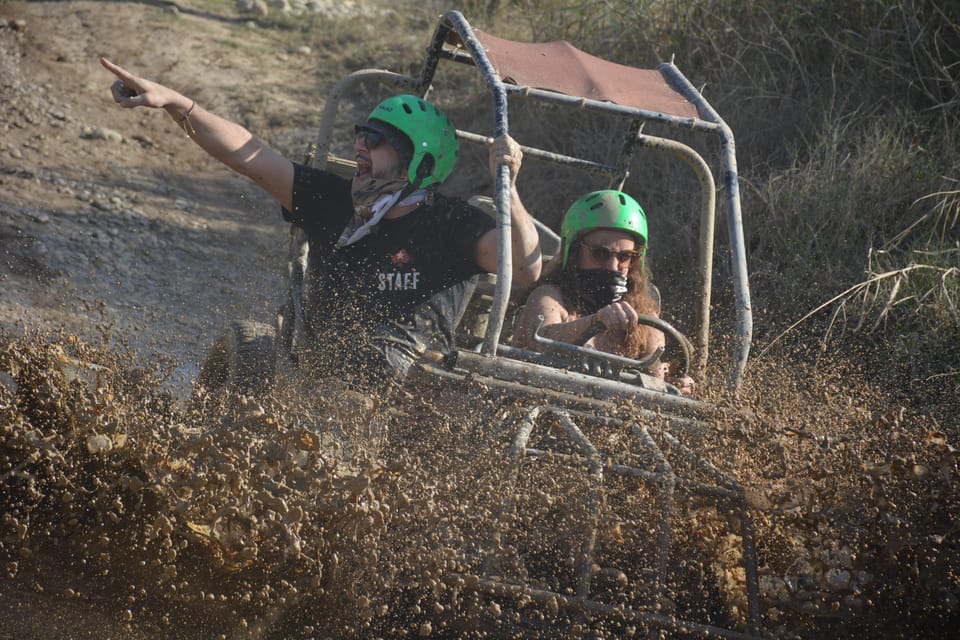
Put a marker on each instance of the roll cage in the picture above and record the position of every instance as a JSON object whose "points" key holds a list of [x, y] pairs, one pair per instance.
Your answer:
{"points": [[559, 74]]}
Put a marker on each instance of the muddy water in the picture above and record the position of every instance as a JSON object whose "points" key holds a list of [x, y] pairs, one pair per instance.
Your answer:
{"points": [[330, 514]]}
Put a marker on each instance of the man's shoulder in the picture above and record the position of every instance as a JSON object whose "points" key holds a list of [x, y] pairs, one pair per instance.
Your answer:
{"points": [[458, 210], [445, 202], [319, 198]]}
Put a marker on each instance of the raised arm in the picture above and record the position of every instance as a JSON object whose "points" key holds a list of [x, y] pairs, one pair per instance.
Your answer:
{"points": [[525, 240], [226, 141]]}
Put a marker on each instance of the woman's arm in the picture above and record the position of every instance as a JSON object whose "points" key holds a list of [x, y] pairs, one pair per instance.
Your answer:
{"points": [[558, 323]]}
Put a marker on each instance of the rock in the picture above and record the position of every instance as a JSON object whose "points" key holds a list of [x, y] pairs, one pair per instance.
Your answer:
{"points": [[258, 7], [8, 382], [99, 443], [101, 133], [143, 140], [838, 579], [774, 588]]}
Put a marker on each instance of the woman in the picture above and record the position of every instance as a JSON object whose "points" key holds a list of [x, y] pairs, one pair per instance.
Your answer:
{"points": [[599, 276]]}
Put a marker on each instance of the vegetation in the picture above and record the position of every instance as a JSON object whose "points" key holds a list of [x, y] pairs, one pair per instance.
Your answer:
{"points": [[847, 117]]}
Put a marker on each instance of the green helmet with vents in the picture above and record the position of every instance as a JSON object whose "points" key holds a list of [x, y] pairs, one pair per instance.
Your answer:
{"points": [[431, 133], [608, 209]]}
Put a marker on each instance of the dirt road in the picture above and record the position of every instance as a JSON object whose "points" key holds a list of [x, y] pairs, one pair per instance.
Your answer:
{"points": [[113, 222]]}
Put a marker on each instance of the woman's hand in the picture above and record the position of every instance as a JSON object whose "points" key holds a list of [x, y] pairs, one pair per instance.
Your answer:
{"points": [[664, 371], [619, 316]]}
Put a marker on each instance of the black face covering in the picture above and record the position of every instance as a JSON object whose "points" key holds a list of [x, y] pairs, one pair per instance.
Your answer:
{"points": [[596, 288]]}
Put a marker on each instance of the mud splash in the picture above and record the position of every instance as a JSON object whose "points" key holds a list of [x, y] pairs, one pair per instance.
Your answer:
{"points": [[341, 516]]}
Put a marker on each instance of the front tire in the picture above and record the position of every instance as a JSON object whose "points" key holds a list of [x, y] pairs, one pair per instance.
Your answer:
{"points": [[242, 360]]}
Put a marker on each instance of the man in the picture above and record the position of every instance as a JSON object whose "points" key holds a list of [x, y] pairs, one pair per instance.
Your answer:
{"points": [[391, 260]]}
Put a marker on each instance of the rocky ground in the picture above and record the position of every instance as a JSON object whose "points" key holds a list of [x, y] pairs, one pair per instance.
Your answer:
{"points": [[113, 223]]}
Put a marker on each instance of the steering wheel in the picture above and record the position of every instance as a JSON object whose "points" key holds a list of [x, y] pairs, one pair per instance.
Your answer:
{"points": [[686, 348]]}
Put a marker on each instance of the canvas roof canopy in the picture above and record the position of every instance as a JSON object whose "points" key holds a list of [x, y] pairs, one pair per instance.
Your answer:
{"points": [[560, 67]]}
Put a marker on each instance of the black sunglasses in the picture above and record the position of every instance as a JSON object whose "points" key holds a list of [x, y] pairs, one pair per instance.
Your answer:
{"points": [[603, 254], [369, 138]]}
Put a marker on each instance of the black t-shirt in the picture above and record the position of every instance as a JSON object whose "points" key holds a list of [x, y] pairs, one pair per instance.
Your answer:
{"points": [[412, 271]]}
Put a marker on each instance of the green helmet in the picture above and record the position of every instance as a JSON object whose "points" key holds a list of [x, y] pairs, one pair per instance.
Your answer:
{"points": [[609, 209], [433, 136]]}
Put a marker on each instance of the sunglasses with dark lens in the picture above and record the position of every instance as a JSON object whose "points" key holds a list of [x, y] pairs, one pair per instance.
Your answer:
{"points": [[603, 254], [369, 138]]}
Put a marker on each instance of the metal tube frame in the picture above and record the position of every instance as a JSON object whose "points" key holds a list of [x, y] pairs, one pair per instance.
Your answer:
{"points": [[709, 122], [663, 476]]}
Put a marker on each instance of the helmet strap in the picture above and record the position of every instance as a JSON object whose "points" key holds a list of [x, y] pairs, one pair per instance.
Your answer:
{"points": [[424, 169]]}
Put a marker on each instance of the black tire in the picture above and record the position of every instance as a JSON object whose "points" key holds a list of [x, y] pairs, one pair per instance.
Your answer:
{"points": [[242, 359]]}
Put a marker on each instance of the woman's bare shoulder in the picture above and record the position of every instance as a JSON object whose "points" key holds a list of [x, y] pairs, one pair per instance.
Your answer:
{"points": [[551, 291]]}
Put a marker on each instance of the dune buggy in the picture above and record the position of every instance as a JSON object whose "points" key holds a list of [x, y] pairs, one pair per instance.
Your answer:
{"points": [[569, 395]]}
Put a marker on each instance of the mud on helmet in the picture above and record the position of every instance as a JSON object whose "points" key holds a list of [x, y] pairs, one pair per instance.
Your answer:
{"points": [[431, 133], [608, 209]]}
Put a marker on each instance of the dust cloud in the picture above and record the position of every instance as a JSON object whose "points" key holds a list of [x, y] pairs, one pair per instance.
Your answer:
{"points": [[331, 514]]}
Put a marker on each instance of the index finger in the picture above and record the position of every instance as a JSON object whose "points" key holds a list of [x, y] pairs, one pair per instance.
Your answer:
{"points": [[116, 70]]}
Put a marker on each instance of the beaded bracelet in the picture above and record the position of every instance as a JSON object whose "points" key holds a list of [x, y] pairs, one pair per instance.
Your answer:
{"points": [[185, 120]]}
